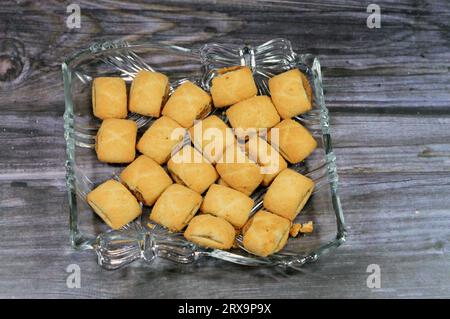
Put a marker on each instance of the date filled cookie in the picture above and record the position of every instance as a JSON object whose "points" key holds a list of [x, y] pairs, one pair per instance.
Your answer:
{"points": [[188, 167], [109, 98], [294, 141], [289, 94], [116, 141], [232, 85], [146, 179], [114, 203], [148, 93], [211, 136], [267, 157], [238, 171], [210, 232], [265, 233], [160, 139], [288, 194], [228, 203], [187, 103], [252, 114], [175, 207]]}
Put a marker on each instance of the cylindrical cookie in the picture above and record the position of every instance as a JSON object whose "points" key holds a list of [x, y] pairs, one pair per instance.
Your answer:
{"points": [[114, 203], [227, 203], [148, 93], [211, 232], [238, 171], [211, 136], [294, 142], [146, 179], [175, 207], [265, 233], [288, 194], [232, 85], [116, 141], [288, 94], [252, 114], [109, 98], [187, 103], [267, 157], [160, 139], [188, 167]]}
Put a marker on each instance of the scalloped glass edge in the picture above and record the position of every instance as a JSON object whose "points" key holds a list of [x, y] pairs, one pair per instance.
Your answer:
{"points": [[146, 245]]}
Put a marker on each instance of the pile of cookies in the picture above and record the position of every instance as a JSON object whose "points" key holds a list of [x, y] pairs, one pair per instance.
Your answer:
{"points": [[215, 180]]}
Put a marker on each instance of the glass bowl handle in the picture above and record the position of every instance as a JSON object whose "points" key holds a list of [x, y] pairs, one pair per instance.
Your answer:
{"points": [[118, 248]]}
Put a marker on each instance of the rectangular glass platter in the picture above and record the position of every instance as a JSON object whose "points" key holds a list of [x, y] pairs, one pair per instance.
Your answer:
{"points": [[139, 240]]}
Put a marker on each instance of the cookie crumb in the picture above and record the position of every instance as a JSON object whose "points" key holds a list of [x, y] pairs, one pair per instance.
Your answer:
{"points": [[305, 228], [295, 229]]}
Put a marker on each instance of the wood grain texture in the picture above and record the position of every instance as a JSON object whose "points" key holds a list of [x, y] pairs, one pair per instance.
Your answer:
{"points": [[388, 93]]}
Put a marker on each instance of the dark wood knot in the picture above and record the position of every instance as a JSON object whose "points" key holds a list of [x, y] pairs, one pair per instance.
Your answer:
{"points": [[10, 68], [12, 60]]}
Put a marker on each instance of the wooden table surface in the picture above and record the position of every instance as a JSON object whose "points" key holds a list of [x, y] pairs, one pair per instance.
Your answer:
{"points": [[388, 91]]}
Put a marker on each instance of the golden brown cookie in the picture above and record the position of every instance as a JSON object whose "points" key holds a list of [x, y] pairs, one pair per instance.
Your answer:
{"points": [[265, 233], [233, 85], [210, 232], [238, 171], [267, 157], [254, 113], [116, 141], [114, 203], [288, 194], [109, 98], [211, 136], [148, 93], [295, 143], [188, 167], [175, 207], [187, 103], [146, 179], [288, 94], [160, 139], [227, 203]]}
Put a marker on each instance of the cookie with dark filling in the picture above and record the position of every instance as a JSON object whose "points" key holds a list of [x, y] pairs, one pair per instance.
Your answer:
{"points": [[210, 232], [175, 207], [116, 141], [232, 85], [265, 233], [188, 103], [148, 93], [146, 179], [188, 167], [160, 139], [289, 94], [294, 141], [114, 203], [238, 171], [109, 98], [254, 113], [227, 203], [288, 194]]}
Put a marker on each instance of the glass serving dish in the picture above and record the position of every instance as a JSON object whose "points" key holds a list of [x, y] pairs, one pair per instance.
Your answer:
{"points": [[141, 240]]}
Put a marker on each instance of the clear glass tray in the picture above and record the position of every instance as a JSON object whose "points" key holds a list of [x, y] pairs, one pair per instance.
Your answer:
{"points": [[139, 239]]}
